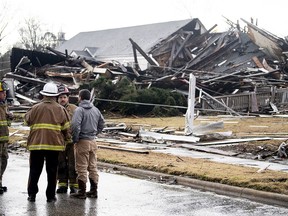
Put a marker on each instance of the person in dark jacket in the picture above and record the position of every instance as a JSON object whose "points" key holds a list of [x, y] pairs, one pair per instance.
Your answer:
{"points": [[49, 130], [87, 122], [5, 117]]}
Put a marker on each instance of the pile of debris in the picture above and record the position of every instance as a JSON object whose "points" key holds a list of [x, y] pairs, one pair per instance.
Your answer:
{"points": [[245, 70]]}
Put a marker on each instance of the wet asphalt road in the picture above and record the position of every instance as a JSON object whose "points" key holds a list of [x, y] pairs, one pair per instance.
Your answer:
{"points": [[123, 196]]}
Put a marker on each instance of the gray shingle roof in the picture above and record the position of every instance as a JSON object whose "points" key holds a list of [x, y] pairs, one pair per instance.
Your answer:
{"points": [[115, 42], [82, 53]]}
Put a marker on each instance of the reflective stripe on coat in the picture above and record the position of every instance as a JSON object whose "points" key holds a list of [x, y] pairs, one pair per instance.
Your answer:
{"points": [[49, 126], [4, 123]]}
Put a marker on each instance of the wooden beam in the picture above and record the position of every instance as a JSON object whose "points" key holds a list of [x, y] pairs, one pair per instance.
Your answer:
{"points": [[25, 79], [150, 61], [181, 47], [257, 62], [123, 149], [135, 58], [209, 150], [172, 54]]}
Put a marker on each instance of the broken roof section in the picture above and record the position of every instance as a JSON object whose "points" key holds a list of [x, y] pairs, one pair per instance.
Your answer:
{"points": [[114, 44], [268, 42]]}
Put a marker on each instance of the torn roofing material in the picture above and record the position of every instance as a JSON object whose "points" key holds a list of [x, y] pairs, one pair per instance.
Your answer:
{"points": [[115, 42]]}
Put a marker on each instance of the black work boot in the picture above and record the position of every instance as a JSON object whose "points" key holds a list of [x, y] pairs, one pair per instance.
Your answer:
{"points": [[61, 189], [31, 198], [73, 190], [81, 194], [93, 189], [3, 189], [52, 199]]}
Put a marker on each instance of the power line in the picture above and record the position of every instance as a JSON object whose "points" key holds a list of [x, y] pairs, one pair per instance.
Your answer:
{"points": [[160, 105], [139, 103]]}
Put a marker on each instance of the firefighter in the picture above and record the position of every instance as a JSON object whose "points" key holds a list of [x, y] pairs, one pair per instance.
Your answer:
{"points": [[5, 117], [49, 130], [66, 164]]}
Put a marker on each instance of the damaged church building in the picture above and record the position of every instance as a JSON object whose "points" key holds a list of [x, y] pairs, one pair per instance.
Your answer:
{"points": [[244, 68]]}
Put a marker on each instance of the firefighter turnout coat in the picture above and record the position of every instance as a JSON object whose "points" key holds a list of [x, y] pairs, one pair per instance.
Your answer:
{"points": [[4, 123], [70, 109], [49, 126]]}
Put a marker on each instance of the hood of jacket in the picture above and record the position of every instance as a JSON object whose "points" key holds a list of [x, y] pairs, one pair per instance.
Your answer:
{"points": [[86, 104]]}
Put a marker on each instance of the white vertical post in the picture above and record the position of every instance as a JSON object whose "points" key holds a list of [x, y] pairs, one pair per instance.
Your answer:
{"points": [[199, 101], [189, 118]]}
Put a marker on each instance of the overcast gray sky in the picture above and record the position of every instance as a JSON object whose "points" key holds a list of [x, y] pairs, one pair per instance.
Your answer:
{"points": [[74, 16]]}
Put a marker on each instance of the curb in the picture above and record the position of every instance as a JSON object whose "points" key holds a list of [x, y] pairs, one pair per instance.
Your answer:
{"points": [[228, 190]]}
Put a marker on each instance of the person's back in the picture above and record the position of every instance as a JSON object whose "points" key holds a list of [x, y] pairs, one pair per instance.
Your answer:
{"points": [[91, 119], [47, 114], [87, 122], [49, 130]]}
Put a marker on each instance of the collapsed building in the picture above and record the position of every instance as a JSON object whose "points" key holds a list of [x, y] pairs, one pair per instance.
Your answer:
{"points": [[242, 68]]}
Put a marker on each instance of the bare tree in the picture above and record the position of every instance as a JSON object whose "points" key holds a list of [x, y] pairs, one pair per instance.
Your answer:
{"points": [[33, 38], [49, 39], [5, 19], [30, 34]]}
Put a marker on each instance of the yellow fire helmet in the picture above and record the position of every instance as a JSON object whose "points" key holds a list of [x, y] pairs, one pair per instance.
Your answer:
{"points": [[3, 86]]}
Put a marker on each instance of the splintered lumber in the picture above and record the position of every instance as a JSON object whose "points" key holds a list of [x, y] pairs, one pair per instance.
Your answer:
{"points": [[123, 149], [257, 62], [121, 126], [127, 134], [57, 74], [136, 46], [135, 58], [87, 66], [209, 150], [25, 98], [11, 134], [232, 141], [158, 137], [25, 79], [267, 66], [221, 77], [180, 48]]}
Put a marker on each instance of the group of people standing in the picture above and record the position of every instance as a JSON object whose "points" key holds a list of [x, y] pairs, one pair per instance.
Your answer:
{"points": [[64, 137]]}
